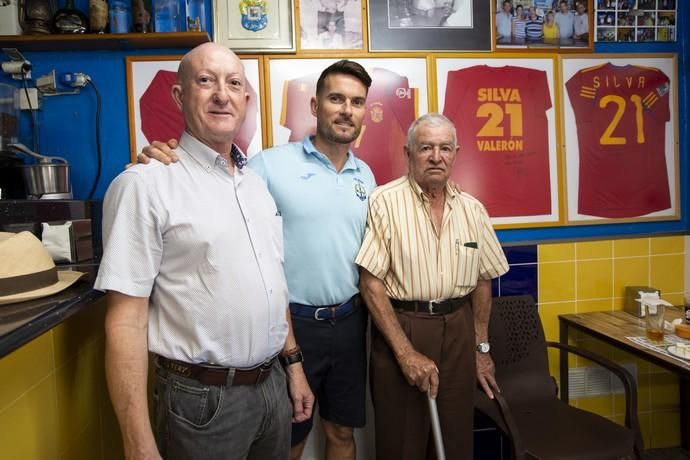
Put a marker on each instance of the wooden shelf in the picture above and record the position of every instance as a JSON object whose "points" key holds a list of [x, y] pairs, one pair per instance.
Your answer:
{"points": [[91, 42]]}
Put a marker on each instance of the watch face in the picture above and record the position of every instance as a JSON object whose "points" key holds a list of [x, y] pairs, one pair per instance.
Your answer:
{"points": [[483, 347]]}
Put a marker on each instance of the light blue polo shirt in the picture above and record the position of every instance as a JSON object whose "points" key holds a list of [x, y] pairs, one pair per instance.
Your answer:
{"points": [[324, 216]]}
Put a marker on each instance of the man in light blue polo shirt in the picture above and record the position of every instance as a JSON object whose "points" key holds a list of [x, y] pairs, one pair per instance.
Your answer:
{"points": [[321, 190]]}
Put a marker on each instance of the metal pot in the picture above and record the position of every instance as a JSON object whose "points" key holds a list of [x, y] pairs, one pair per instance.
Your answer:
{"points": [[42, 179], [49, 178]]}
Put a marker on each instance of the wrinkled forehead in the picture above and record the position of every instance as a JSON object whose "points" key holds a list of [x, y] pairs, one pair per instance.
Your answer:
{"points": [[217, 60]]}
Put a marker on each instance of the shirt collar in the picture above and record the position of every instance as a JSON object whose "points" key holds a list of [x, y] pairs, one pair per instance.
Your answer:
{"points": [[209, 158], [451, 193], [309, 149]]}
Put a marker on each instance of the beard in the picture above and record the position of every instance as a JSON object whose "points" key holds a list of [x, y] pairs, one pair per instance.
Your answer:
{"points": [[333, 135]]}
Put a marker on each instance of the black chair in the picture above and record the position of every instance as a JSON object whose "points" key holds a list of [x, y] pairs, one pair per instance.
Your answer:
{"points": [[528, 410]]}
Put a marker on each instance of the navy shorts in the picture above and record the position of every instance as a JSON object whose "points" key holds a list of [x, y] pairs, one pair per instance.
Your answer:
{"points": [[335, 363]]}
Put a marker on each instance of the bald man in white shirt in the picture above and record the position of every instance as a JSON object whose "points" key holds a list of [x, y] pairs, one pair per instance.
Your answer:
{"points": [[193, 268]]}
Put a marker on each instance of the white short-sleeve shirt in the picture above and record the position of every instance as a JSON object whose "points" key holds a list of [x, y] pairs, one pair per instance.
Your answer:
{"points": [[207, 247]]}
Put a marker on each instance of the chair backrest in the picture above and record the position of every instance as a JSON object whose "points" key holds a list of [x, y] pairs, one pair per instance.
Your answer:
{"points": [[518, 348]]}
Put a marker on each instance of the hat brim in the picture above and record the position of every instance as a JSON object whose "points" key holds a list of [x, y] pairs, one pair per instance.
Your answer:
{"points": [[66, 278]]}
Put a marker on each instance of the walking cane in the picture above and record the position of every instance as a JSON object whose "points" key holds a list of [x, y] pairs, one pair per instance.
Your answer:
{"points": [[436, 429]]}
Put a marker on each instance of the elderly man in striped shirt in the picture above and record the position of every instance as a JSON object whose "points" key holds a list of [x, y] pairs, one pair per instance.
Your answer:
{"points": [[427, 260]]}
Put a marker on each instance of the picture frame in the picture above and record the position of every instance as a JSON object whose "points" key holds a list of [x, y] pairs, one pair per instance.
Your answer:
{"points": [[398, 94], [620, 117], [153, 114], [505, 109], [257, 26], [327, 26], [423, 25], [620, 21], [524, 25]]}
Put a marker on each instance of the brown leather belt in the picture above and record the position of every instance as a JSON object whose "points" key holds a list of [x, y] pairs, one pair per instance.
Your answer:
{"points": [[218, 376], [431, 307]]}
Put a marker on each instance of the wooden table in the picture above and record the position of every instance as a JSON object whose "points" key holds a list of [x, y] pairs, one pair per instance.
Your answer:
{"points": [[613, 327]]}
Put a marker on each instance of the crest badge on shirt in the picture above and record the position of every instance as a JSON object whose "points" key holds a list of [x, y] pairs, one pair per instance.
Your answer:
{"points": [[360, 189], [376, 112]]}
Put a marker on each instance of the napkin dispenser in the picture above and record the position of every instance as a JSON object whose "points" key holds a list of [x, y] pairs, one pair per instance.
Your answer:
{"points": [[632, 303]]}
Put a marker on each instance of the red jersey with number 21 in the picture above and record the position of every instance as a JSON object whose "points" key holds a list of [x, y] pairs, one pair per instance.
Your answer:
{"points": [[500, 117], [621, 114]]}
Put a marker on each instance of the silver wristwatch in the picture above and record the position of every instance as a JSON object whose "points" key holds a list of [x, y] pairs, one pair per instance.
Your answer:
{"points": [[483, 347]]}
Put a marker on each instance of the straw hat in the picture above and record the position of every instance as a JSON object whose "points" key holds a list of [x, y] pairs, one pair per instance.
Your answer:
{"points": [[27, 271]]}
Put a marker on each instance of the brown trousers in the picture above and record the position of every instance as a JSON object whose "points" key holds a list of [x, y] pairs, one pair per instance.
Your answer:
{"points": [[403, 426]]}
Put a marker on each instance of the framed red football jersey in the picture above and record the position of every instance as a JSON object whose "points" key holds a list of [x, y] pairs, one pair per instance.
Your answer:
{"points": [[155, 116], [621, 113], [391, 109], [503, 133]]}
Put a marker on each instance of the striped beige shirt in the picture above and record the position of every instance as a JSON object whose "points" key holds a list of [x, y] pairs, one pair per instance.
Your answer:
{"points": [[402, 249]]}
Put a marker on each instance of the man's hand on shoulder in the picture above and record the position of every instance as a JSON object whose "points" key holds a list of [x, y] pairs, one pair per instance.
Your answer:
{"points": [[161, 151]]}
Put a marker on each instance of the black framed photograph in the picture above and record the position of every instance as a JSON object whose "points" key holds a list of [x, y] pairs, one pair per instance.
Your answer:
{"points": [[330, 25], [429, 25], [544, 24]]}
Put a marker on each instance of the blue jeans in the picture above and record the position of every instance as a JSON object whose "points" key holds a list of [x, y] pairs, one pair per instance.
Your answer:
{"points": [[199, 422]]}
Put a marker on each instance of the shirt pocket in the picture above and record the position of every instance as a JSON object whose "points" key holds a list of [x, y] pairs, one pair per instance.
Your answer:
{"points": [[467, 265]]}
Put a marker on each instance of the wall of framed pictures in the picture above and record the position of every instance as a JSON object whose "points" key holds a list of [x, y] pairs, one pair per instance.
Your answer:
{"points": [[547, 164]]}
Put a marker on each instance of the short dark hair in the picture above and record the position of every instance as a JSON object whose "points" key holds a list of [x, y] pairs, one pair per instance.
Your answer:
{"points": [[347, 67]]}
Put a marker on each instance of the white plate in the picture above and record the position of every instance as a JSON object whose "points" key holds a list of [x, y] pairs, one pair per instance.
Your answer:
{"points": [[672, 350]]}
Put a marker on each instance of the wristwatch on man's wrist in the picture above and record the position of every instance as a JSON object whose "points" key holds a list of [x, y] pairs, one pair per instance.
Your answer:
{"points": [[291, 356], [483, 347]]}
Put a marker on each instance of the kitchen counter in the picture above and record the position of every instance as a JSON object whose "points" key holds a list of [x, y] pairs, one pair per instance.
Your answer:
{"points": [[24, 321]]}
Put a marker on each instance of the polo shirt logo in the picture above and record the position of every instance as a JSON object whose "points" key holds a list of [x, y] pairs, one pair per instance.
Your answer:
{"points": [[307, 176], [360, 189]]}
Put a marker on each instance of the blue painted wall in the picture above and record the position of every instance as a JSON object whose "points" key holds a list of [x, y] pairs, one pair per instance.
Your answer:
{"points": [[67, 126]]}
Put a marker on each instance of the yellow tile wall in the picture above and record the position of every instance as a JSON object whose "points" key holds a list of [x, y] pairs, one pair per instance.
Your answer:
{"points": [[591, 276], [53, 397]]}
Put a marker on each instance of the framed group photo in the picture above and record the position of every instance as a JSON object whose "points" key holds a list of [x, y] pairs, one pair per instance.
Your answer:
{"points": [[429, 25], [544, 24], [397, 96], [330, 25], [620, 117], [256, 26], [504, 111], [154, 115]]}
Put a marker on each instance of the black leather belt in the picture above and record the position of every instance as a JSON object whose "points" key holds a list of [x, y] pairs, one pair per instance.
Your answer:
{"points": [[218, 376], [328, 311], [431, 307]]}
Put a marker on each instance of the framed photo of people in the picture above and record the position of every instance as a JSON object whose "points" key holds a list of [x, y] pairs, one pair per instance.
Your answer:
{"points": [[329, 25], [544, 24], [154, 115], [635, 20], [429, 25], [255, 26], [620, 121], [397, 96], [504, 110]]}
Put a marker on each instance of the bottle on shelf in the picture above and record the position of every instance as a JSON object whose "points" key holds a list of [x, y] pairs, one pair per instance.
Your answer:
{"points": [[69, 20], [120, 17], [166, 16], [196, 16], [98, 16], [141, 15]]}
